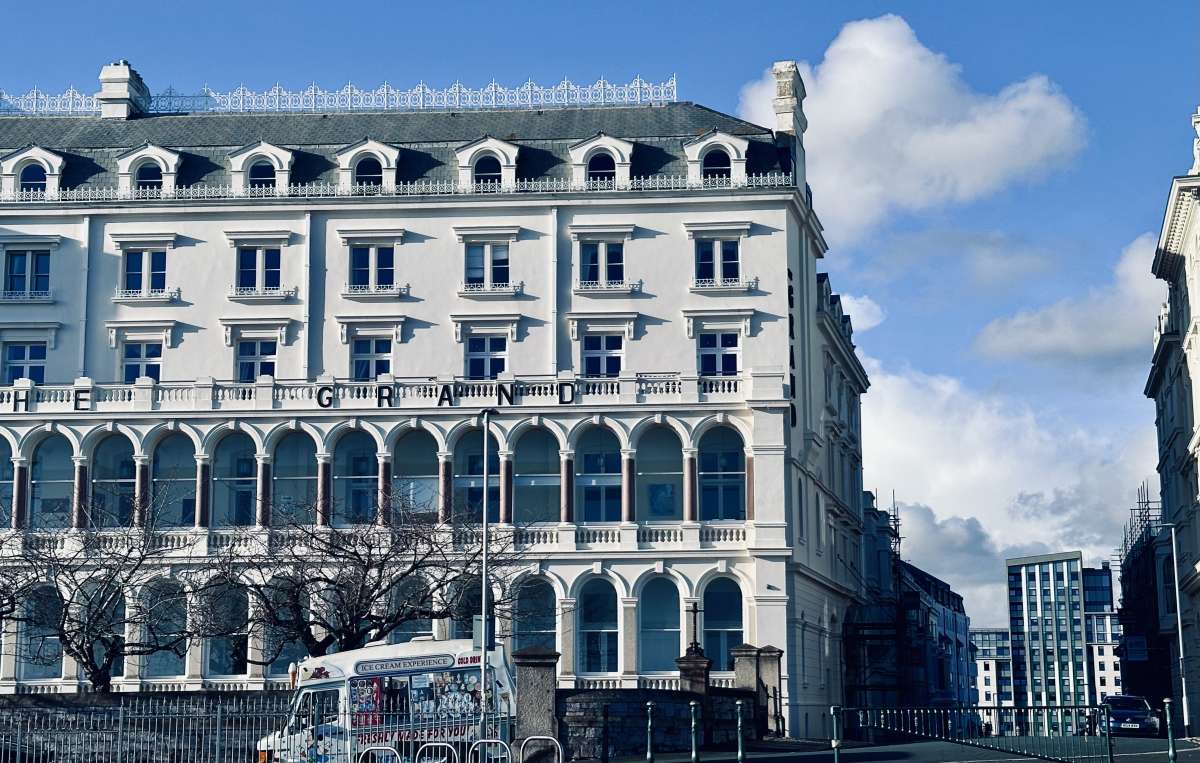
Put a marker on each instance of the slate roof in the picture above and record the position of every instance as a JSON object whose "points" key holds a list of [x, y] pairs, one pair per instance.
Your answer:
{"points": [[426, 140]]}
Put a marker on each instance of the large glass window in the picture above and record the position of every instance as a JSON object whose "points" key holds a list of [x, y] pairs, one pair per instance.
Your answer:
{"points": [[486, 267], [601, 168], [658, 609], [6, 484], [486, 356], [355, 479], [467, 605], [722, 475], [413, 596], [235, 477], [24, 360], [536, 478], [145, 272], [26, 274], [282, 650], [372, 267], [717, 262], [149, 177], [722, 621], [368, 172], [258, 270], [716, 164], [33, 178], [51, 481], [173, 482], [487, 173], [602, 355], [226, 654], [294, 480], [415, 473], [255, 358], [370, 357], [166, 624], [262, 175], [718, 353], [659, 463], [468, 477], [113, 481], [598, 477], [601, 263], [598, 627], [534, 616], [141, 359], [40, 654]]}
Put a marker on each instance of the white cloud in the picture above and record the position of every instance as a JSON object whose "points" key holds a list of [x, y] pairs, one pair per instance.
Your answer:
{"points": [[1109, 326], [865, 313], [998, 477], [894, 127]]}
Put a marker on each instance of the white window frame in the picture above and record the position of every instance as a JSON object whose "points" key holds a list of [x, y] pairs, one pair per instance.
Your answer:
{"points": [[373, 356], [602, 236], [489, 237], [719, 232], [141, 361], [257, 358], [28, 295], [487, 355], [603, 353], [145, 294], [373, 240], [719, 351], [260, 242], [26, 363]]}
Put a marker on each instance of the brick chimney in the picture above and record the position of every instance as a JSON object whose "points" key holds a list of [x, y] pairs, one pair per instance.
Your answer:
{"points": [[122, 94], [790, 122]]}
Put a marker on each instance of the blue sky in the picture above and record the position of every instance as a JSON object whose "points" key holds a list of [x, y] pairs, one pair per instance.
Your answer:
{"points": [[1011, 283]]}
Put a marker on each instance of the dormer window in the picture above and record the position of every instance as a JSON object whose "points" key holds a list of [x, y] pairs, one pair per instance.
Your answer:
{"points": [[602, 168], [716, 164], [262, 175], [149, 177], [487, 173], [368, 172], [33, 178]]}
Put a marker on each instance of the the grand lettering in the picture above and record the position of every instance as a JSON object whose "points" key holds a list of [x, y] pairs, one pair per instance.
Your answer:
{"points": [[449, 394]]}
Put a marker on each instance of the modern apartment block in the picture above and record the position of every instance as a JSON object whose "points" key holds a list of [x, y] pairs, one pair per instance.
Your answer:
{"points": [[993, 675], [259, 299]]}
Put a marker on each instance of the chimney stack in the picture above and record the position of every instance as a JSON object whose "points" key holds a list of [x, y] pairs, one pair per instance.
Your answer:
{"points": [[1196, 145], [790, 122], [122, 94]]}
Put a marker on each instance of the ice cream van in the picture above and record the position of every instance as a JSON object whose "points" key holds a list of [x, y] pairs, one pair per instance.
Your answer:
{"points": [[384, 702]]}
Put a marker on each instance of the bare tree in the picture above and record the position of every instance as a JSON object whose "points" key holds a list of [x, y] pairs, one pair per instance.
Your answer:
{"points": [[338, 588]]}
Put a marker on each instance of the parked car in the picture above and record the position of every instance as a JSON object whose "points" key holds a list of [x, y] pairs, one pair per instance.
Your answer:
{"points": [[1129, 715]]}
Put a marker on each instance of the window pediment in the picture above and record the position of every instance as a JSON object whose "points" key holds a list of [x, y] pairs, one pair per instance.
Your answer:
{"points": [[257, 238], [19, 241], [502, 151], [709, 319], [371, 325], [256, 328], [466, 233], [626, 322], [143, 240], [243, 160], [387, 155], [371, 236], [149, 329], [493, 323], [52, 162], [601, 232], [717, 229], [37, 331], [734, 146], [620, 151], [166, 159]]}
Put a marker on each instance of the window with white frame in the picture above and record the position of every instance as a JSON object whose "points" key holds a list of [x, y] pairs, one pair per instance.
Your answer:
{"points": [[486, 266], [369, 358], [255, 358], [718, 353], [601, 263], [149, 177], [26, 274], [368, 172], [258, 270], [145, 272], [487, 173], [141, 359], [24, 360], [717, 262], [486, 356], [602, 168], [372, 268], [603, 354], [262, 175], [33, 178]]}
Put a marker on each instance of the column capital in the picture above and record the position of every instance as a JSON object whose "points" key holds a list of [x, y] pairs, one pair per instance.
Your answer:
{"points": [[141, 459], [19, 460], [80, 460], [628, 452], [383, 458], [445, 456], [689, 452], [566, 453], [202, 458], [324, 458], [263, 458], [504, 455]]}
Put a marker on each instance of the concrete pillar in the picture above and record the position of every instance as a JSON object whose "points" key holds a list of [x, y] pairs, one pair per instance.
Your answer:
{"points": [[445, 485], [203, 493], [324, 489], [384, 495], [694, 668], [628, 485], [628, 639], [770, 672], [506, 487], [193, 662], [262, 514], [20, 496], [141, 490], [566, 624], [566, 478], [689, 485], [536, 685], [745, 671], [79, 493], [8, 658], [749, 487]]}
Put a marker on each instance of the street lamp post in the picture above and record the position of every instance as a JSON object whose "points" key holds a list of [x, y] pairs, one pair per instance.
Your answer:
{"points": [[1179, 629], [483, 581]]}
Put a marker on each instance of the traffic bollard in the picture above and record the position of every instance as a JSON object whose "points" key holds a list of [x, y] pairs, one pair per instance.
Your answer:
{"points": [[1170, 730], [836, 736], [741, 747], [694, 708], [649, 732], [604, 735]]}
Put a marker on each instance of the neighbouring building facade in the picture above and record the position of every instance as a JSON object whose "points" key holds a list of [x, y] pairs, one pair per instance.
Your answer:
{"points": [[993, 676], [1169, 385], [936, 655], [254, 306], [1147, 610]]}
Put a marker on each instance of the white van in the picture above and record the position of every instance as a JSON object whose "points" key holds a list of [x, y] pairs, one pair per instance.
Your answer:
{"points": [[392, 698]]}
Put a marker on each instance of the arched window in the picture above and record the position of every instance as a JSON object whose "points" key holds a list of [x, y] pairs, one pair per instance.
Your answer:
{"points": [[536, 478], [149, 177], [40, 653], [230, 613], [173, 482], [294, 480], [103, 606], [722, 475], [658, 609], [33, 178], [113, 483], [262, 175], [659, 462], [355, 479], [6, 484], [716, 164], [534, 615], [368, 172], [51, 479], [602, 168], [487, 172], [415, 474], [466, 604], [598, 627], [281, 649], [468, 477], [165, 627], [722, 621], [413, 597], [235, 478], [598, 477]]}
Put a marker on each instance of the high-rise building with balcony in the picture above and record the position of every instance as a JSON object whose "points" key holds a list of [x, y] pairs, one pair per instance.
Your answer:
{"points": [[257, 299]]}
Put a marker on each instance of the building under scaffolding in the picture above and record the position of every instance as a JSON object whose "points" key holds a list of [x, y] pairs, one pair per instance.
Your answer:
{"points": [[1147, 609]]}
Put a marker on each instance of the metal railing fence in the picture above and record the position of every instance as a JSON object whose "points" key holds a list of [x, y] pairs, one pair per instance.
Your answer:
{"points": [[1071, 734]]}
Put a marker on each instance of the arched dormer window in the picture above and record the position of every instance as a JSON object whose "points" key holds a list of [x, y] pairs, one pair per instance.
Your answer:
{"points": [[602, 168], [244, 161], [33, 178], [262, 175], [487, 173], [368, 172], [149, 177], [716, 164]]}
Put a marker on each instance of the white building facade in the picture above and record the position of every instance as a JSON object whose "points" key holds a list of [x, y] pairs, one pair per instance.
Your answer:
{"points": [[315, 307]]}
